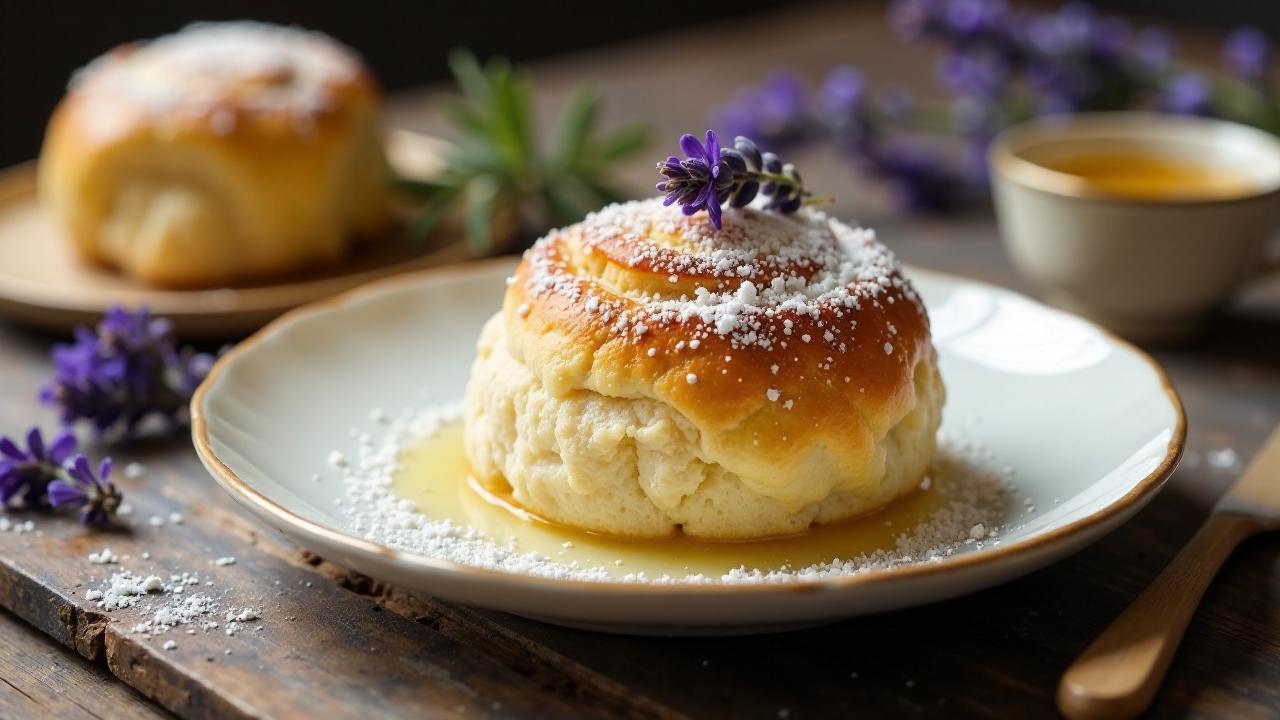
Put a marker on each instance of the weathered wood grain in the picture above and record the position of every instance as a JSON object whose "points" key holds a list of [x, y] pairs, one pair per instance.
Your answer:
{"points": [[41, 679], [313, 634]]}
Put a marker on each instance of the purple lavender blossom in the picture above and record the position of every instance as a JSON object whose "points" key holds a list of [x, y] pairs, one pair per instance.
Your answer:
{"points": [[1189, 93], [1070, 30], [981, 73], [129, 370], [919, 178], [1245, 54], [25, 474], [1015, 64], [52, 474], [843, 90], [774, 113], [1152, 50], [95, 495], [700, 182], [843, 101], [710, 176], [969, 19]]}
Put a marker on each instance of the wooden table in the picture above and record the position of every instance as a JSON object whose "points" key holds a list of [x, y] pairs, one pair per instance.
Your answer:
{"points": [[342, 646]]}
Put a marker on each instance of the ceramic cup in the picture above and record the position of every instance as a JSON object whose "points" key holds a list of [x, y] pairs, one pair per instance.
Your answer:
{"points": [[1151, 269]]}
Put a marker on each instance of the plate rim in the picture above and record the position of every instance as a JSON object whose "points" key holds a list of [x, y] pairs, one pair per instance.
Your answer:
{"points": [[244, 493]]}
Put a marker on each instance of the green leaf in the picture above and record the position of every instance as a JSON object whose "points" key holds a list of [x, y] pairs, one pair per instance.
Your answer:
{"points": [[464, 116], [511, 122], [473, 156], [498, 166], [481, 193], [471, 77], [576, 123], [520, 90]]}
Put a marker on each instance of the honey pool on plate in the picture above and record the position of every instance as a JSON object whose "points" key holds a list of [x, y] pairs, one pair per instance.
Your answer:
{"points": [[434, 475], [1146, 175]]}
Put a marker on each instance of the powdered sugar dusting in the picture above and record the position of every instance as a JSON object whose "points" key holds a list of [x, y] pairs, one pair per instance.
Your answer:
{"points": [[377, 514], [167, 604], [208, 67], [752, 279]]}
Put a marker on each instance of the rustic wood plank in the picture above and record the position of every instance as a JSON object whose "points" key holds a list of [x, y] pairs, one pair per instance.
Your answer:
{"points": [[42, 679], [313, 634]]}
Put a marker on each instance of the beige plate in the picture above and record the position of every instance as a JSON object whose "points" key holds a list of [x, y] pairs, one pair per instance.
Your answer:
{"points": [[1088, 424], [43, 282]]}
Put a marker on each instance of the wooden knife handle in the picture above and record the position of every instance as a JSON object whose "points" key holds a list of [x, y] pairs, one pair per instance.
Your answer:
{"points": [[1118, 675]]}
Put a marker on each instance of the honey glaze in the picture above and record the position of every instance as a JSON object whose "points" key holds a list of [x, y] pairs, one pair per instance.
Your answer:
{"points": [[434, 475]]}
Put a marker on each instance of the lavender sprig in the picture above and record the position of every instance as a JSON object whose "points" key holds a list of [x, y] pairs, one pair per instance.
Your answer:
{"points": [[710, 176], [55, 475], [1001, 65], [127, 370]]}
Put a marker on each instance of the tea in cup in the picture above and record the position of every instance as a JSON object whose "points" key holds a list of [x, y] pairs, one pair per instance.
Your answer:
{"points": [[1143, 222]]}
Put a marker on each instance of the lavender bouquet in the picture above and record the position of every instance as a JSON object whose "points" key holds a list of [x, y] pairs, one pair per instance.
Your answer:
{"points": [[1000, 65], [126, 373]]}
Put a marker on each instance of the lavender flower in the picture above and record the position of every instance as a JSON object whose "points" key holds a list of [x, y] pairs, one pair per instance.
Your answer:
{"points": [[775, 112], [50, 475], [25, 474], [981, 73], [701, 182], [846, 108], [710, 176], [843, 90], [129, 370], [1152, 50], [919, 178], [1003, 65], [1189, 93], [1246, 53], [95, 495]]}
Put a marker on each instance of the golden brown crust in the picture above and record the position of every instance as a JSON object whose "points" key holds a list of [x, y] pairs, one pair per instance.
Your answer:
{"points": [[807, 376], [184, 166]]}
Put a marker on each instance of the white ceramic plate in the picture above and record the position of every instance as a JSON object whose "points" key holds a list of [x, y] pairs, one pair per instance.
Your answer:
{"points": [[1090, 425]]}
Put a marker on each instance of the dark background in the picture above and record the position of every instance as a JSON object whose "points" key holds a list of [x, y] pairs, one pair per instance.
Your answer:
{"points": [[41, 43]]}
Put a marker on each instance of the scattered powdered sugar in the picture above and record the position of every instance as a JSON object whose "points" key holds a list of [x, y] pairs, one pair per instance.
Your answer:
{"points": [[1224, 459], [19, 527], [181, 611], [168, 604], [103, 557], [124, 590], [971, 517]]}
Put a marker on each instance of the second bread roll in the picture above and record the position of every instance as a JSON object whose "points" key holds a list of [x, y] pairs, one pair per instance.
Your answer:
{"points": [[224, 153]]}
